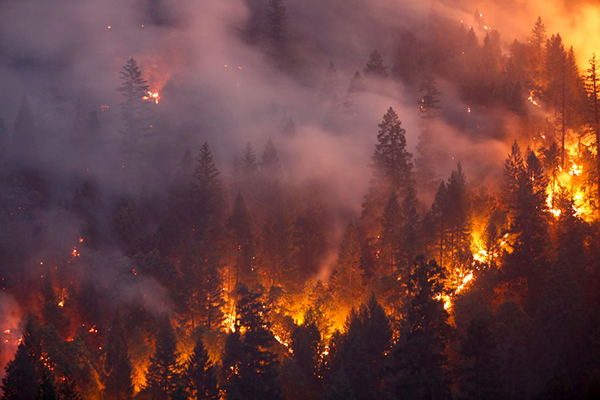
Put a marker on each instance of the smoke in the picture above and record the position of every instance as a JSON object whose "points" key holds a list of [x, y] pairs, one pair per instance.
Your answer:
{"points": [[215, 85]]}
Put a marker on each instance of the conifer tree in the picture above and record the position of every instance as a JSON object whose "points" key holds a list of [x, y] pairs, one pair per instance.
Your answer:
{"points": [[206, 212], [117, 366], [438, 219], [270, 166], [409, 234], [391, 161], [420, 363], [375, 67], [356, 83], [200, 374], [213, 293], [561, 315], [478, 372], [537, 43], [525, 192], [206, 172], [392, 172], [362, 349], [135, 106], [306, 346], [21, 381], [163, 375], [249, 366], [248, 161], [459, 253], [428, 111], [347, 278], [246, 174]]}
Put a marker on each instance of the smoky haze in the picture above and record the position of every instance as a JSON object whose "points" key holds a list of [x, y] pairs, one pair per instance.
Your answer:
{"points": [[218, 86]]}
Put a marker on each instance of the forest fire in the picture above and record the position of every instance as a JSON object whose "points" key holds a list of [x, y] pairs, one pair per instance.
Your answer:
{"points": [[310, 268], [152, 96]]}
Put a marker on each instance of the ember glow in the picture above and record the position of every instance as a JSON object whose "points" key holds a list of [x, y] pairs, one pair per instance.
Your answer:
{"points": [[154, 97]]}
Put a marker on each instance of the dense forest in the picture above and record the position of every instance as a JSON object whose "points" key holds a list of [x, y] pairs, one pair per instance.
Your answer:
{"points": [[139, 260]]}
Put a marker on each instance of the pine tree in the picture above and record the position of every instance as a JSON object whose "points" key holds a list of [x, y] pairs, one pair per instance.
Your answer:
{"points": [[409, 234], [245, 173], [135, 106], [163, 374], [21, 381], [438, 220], [513, 176], [206, 172], [391, 161], [270, 167], [375, 67], [248, 161], [479, 370], [491, 54], [206, 214], [362, 349], [347, 278], [550, 157], [428, 111], [537, 43], [525, 193], [213, 293], [561, 315], [117, 366], [392, 172], [420, 363], [250, 367], [200, 374], [458, 216], [356, 84], [306, 346]]}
